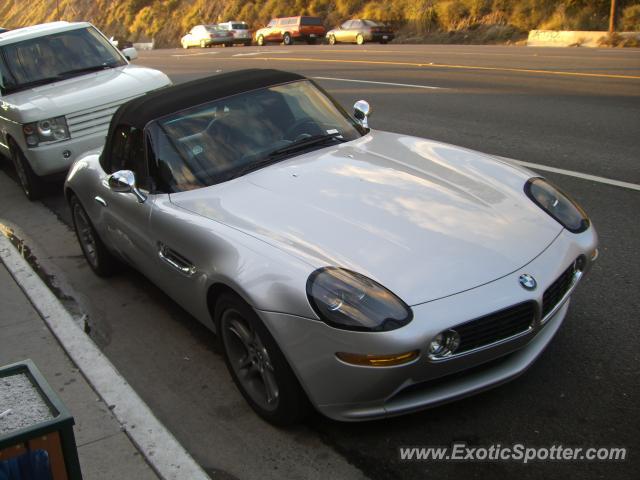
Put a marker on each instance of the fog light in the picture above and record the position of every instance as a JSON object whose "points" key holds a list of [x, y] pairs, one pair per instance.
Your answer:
{"points": [[444, 344], [378, 360]]}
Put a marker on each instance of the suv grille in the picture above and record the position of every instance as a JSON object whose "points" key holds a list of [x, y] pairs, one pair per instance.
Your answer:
{"points": [[557, 290], [93, 120], [495, 326]]}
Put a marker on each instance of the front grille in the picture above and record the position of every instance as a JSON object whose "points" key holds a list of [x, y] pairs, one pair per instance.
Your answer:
{"points": [[557, 290], [495, 326], [93, 120]]}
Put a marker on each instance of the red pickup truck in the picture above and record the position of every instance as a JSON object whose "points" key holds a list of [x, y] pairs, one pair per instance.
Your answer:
{"points": [[289, 29]]}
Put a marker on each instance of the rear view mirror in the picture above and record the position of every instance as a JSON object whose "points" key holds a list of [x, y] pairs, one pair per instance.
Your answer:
{"points": [[124, 181], [361, 110], [130, 53]]}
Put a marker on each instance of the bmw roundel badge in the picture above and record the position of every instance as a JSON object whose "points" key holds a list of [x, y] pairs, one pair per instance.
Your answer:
{"points": [[527, 281]]}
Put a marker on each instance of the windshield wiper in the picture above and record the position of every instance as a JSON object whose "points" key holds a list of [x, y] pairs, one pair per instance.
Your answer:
{"points": [[304, 143], [279, 153], [76, 71]]}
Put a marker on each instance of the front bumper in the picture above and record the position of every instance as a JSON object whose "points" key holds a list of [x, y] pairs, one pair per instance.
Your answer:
{"points": [[50, 159], [349, 393]]}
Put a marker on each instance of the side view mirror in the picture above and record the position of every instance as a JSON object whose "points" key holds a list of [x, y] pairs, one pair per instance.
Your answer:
{"points": [[362, 110], [124, 181], [130, 53]]}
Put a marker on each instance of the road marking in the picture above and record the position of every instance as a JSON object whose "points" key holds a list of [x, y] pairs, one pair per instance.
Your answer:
{"points": [[159, 447], [571, 173], [443, 65], [409, 85], [193, 54], [251, 54]]}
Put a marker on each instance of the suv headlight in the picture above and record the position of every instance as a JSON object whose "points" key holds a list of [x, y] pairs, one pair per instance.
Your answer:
{"points": [[351, 301], [557, 204], [45, 131]]}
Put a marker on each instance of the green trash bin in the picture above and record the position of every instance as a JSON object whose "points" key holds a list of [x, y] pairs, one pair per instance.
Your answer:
{"points": [[36, 429]]}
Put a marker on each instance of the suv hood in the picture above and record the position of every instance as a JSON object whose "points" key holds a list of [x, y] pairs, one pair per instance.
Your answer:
{"points": [[425, 219], [82, 92]]}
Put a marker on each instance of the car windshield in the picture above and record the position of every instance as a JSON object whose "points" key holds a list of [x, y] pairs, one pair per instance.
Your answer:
{"points": [[224, 139], [213, 28], [371, 23], [239, 26], [50, 58]]}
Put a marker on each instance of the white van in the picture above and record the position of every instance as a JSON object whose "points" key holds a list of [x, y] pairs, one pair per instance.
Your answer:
{"points": [[60, 84]]}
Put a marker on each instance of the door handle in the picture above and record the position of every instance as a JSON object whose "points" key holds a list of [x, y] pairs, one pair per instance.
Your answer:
{"points": [[100, 200], [175, 261]]}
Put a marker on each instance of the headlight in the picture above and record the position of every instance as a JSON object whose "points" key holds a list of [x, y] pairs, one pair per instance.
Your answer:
{"points": [[557, 204], [351, 301], [45, 131]]}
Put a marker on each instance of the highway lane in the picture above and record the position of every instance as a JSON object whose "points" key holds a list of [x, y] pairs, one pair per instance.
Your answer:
{"points": [[583, 390]]}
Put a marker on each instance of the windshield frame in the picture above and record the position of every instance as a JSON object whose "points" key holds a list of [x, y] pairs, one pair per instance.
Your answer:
{"points": [[154, 128], [8, 76]]}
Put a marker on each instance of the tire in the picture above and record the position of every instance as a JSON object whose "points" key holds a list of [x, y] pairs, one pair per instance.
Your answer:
{"points": [[32, 185], [260, 41], [287, 39], [359, 39], [254, 360], [185, 45], [203, 44], [101, 261], [332, 40]]}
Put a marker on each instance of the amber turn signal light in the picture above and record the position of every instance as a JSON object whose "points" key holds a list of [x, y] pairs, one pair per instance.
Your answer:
{"points": [[378, 360]]}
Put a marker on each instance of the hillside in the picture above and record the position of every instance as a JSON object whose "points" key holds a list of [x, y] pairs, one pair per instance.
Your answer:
{"points": [[467, 21]]}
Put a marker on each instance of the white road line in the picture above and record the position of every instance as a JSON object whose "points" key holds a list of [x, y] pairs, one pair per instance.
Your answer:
{"points": [[408, 85], [159, 447], [193, 54], [571, 173], [250, 54]]}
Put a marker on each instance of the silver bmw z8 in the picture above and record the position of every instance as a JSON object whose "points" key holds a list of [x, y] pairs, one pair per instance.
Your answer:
{"points": [[358, 272]]}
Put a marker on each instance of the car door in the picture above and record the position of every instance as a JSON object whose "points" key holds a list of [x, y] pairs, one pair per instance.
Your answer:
{"points": [[125, 218], [270, 34], [356, 28], [343, 33]]}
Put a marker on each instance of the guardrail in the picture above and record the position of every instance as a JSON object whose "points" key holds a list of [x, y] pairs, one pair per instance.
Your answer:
{"points": [[566, 38]]}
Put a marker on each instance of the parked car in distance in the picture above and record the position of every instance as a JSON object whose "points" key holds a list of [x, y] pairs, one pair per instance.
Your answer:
{"points": [[360, 31], [288, 30], [405, 273], [240, 31], [60, 83], [204, 36]]}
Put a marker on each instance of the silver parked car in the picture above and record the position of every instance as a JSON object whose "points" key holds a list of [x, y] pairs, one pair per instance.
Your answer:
{"points": [[206, 36], [239, 30], [365, 273]]}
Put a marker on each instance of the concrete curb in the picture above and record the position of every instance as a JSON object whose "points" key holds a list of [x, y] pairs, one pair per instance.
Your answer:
{"points": [[159, 447]]}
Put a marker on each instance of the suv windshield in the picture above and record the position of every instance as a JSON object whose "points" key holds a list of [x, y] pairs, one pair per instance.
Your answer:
{"points": [[50, 58], [220, 140]]}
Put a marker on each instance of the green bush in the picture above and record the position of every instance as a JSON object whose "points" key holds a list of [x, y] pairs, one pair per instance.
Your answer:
{"points": [[631, 18]]}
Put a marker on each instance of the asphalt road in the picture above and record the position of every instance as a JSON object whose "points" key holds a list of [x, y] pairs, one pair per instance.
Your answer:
{"points": [[573, 109]]}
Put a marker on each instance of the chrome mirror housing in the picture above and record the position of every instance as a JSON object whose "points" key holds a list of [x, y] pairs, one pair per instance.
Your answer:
{"points": [[124, 181], [362, 110]]}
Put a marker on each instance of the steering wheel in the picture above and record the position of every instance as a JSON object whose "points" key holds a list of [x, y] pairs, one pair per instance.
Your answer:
{"points": [[302, 129]]}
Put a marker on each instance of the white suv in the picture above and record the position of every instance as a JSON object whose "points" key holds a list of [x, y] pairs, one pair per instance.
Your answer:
{"points": [[241, 33], [60, 84]]}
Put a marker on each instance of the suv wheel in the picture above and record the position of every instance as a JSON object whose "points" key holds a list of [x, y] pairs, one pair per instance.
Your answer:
{"points": [[287, 39], [31, 184]]}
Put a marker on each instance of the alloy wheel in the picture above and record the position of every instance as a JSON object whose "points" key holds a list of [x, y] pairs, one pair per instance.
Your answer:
{"points": [[250, 360], [85, 234]]}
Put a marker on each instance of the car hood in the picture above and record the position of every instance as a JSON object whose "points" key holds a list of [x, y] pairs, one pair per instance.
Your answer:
{"points": [[82, 92], [423, 218]]}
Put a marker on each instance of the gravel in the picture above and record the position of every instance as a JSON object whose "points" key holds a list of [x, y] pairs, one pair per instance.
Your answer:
{"points": [[20, 404]]}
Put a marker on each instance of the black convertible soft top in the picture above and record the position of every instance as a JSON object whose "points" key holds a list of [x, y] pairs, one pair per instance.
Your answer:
{"points": [[142, 110]]}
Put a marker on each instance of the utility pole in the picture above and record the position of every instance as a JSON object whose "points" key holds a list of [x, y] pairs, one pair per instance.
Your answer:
{"points": [[612, 17]]}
